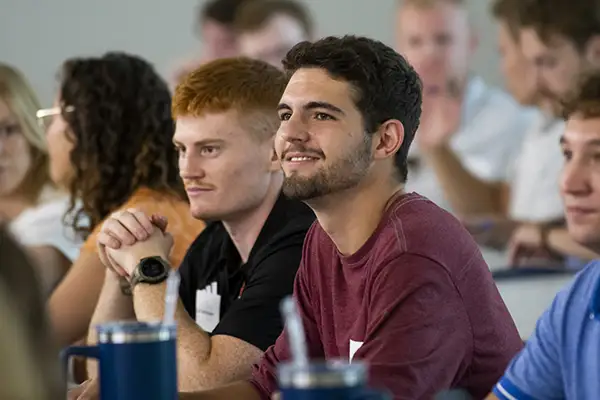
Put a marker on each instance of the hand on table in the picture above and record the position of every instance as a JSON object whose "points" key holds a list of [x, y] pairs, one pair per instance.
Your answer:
{"points": [[527, 248], [88, 390]]}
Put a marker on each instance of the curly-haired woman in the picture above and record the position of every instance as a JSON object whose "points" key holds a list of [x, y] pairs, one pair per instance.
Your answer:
{"points": [[110, 145]]}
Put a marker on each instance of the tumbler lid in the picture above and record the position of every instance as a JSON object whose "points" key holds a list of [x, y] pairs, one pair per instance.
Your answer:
{"points": [[135, 332], [322, 375]]}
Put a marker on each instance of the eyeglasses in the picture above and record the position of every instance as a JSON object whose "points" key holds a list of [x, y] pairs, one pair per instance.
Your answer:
{"points": [[44, 114]]}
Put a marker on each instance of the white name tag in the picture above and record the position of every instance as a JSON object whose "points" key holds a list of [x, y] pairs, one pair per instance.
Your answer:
{"points": [[354, 346], [208, 307]]}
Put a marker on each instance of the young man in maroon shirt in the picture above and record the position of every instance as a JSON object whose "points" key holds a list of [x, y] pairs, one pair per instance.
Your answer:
{"points": [[387, 277]]}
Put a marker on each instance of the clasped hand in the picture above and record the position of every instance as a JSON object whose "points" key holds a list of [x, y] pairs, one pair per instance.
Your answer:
{"points": [[128, 236]]}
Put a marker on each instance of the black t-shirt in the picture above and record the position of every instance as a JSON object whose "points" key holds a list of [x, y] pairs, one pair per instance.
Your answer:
{"points": [[250, 294]]}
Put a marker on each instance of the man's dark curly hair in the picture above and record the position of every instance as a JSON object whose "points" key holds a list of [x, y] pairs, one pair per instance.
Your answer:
{"points": [[386, 85], [122, 132]]}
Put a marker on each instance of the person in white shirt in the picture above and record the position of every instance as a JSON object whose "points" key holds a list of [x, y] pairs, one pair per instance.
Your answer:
{"points": [[529, 220], [531, 191], [467, 126], [214, 26], [30, 205], [561, 50]]}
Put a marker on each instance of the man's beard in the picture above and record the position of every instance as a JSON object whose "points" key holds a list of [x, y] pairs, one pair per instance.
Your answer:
{"points": [[345, 173]]}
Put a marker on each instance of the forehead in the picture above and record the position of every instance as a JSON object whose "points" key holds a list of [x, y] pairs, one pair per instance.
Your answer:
{"points": [[533, 45], [582, 130], [278, 29], [430, 19], [316, 85], [5, 112], [225, 126], [214, 30], [505, 36]]}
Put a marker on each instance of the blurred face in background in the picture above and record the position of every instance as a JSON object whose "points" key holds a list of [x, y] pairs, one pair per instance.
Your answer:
{"points": [[580, 180], [15, 152], [557, 64], [218, 41], [273, 40], [519, 77], [437, 41]]}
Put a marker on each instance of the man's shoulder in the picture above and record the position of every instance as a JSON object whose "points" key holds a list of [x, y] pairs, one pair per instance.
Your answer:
{"points": [[417, 225], [413, 213], [579, 297]]}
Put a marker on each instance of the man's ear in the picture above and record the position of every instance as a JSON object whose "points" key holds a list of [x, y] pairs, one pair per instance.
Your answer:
{"points": [[592, 51], [388, 139]]}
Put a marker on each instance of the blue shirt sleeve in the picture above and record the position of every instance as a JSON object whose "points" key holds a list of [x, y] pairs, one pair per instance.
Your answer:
{"points": [[535, 373]]}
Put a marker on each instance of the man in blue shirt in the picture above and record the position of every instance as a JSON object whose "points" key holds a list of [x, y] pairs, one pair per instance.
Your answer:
{"points": [[562, 359]]}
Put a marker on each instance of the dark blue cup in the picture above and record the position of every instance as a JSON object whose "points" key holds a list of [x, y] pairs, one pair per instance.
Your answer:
{"points": [[330, 380], [137, 360]]}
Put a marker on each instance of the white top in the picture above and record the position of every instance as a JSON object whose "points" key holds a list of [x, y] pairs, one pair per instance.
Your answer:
{"points": [[535, 193], [492, 129], [43, 225]]}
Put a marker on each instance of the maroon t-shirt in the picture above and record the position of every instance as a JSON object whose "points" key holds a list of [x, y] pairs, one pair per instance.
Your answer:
{"points": [[417, 302]]}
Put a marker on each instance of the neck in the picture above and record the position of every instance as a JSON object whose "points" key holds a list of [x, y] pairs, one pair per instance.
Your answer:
{"points": [[350, 217], [12, 206], [245, 228], [459, 86]]}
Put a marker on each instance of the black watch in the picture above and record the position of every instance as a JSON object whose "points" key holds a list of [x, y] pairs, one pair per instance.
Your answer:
{"points": [[150, 270]]}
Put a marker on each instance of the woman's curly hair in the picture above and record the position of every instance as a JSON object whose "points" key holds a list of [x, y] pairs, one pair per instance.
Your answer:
{"points": [[122, 132]]}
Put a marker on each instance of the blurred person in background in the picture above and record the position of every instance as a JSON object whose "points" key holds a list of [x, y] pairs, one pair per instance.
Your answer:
{"points": [[110, 138], [560, 361], [561, 39], [29, 364], [517, 72], [268, 29], [468, 129], [530, 192], [30, 205], [214, 27]]}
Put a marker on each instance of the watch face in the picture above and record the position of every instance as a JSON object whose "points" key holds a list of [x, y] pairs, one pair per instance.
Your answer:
{"points": [[152, 268]]}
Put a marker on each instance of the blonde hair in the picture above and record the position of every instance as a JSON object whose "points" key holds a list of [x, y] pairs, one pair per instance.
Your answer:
{"points": [[23, 103]]}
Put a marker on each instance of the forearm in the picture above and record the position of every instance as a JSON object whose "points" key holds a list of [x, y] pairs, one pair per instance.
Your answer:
{"points": [[113, 305], [468, 195], [493, 231], [238, 390], [561, 242], [82, 287], [197, 371]]}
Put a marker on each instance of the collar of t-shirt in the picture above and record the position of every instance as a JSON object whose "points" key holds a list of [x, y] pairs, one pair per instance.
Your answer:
{"points": [[234, 274]]}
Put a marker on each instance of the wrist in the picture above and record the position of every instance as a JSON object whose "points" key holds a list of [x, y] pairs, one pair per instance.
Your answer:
{"points": [[133, 259]]}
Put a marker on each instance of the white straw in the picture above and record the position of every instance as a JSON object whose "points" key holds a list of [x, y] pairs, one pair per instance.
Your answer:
{"points": [[171, 297], [295, 331]]}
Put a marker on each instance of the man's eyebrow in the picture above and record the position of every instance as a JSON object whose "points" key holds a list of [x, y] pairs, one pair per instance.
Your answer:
{"points": [[201, 143], [311, 105]]}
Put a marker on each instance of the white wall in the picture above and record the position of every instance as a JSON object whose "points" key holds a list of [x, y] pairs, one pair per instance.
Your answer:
{"points": [[37, 35]]}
